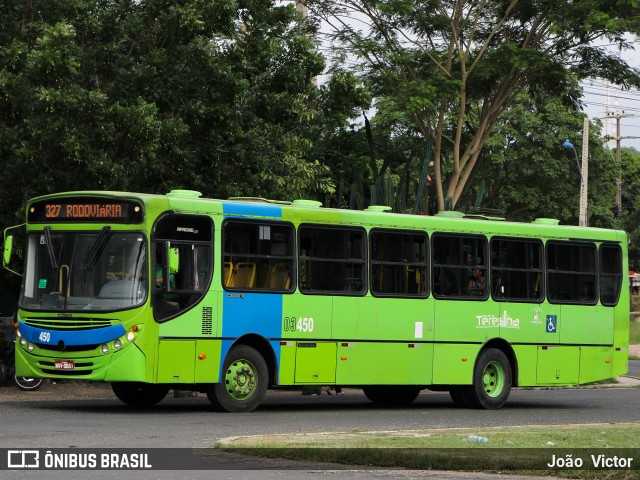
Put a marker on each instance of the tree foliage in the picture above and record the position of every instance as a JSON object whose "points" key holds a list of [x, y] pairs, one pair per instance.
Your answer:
{"points": [[527, 173], [454, 66], [156, 94]]}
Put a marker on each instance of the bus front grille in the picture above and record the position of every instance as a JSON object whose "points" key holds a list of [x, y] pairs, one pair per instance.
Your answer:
{"points": [[54, 323]]}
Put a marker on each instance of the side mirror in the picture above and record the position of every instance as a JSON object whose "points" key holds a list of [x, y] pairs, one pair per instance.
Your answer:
{"points": [[8, 248]]}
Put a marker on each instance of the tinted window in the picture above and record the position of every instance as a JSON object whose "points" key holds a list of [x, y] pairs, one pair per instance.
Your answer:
{"points": [[258, 256], [610, 274], [332, 260], [459, 266], [398, 264], [571, 272], [516, 270]]}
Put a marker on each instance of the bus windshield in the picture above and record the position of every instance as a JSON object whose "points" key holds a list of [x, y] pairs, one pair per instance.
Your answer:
{"points": [[80, 271]]}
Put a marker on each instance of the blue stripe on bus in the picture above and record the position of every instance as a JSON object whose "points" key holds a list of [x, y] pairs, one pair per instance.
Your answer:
{"points": [[251, 313], [256, 209], [94, 336]]}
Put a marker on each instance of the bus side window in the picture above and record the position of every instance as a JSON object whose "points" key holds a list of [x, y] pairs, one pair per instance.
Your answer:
{"points": [[257, 256], [332, 260], [571, 272], [610, 274], [398, 263], [459, 266], [516, 269]]}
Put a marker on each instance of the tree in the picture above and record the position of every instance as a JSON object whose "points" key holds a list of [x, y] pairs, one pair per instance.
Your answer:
{"points": [[527, 173], [455, 66], [630, 221], [154, 95]]}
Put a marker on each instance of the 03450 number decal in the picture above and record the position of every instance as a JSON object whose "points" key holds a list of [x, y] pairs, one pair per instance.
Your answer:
{"points": [[302, 324]]}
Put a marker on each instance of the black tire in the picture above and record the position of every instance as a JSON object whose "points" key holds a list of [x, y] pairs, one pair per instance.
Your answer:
{"points": [[459, 395], [392, 395], [28, 384], [492, 380], [244, 382], [139, 395]]}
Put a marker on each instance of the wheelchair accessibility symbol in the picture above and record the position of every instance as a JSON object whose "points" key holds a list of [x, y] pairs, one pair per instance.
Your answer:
{"points": [[552, 323]]}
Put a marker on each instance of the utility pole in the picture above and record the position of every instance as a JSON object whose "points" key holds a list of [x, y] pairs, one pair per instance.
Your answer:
{"points": [[618, 138], [584, 175]]}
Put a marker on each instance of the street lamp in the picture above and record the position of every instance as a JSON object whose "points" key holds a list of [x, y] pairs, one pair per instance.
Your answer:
{"points": [[568, 144], [583, 183]]}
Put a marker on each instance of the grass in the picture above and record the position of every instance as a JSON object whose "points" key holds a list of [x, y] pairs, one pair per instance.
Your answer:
{"points": [[530, 448], [625, 435], [634, 332]]}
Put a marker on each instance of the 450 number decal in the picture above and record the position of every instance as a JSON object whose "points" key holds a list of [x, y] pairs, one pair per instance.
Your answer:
{"points": [[44, 337], [301, 324]]}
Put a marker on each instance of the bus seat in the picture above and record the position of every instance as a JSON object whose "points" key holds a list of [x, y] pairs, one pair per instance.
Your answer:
{"points": [[280, 276], [244, 275], [227, 274], [412, 279]]}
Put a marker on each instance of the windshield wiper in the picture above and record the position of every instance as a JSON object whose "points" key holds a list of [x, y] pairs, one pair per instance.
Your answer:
{"points": [[96, 249], [49, 244]]}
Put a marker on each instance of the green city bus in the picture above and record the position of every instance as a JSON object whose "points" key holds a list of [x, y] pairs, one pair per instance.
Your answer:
{"points": [[232, 297]]}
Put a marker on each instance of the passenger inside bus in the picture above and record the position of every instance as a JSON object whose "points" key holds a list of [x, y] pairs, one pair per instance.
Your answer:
{"points": [[446, 283], [475, 284]]}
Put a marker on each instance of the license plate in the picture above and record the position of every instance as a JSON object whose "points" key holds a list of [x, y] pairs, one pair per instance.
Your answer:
{"points": [[65, 365]]}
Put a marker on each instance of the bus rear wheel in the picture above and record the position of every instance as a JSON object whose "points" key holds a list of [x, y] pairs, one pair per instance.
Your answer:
{"points": [[244, 382], [395, 395], [139, 395], [492, 381]]}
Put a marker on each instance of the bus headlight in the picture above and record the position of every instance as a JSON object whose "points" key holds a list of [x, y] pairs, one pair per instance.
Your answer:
{"points": [[23, 341], [18, 334], [117, 344], [30, 347], [105, 348], [130, 336]]}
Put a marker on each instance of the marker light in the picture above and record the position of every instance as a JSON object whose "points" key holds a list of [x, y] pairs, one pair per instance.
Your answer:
{"points": [[117, 344], [105, 348], [134, 328], [30, 347], [130, 336]]}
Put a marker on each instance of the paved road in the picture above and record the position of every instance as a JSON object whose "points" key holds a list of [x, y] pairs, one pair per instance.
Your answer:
{"points": [[188, 422]]}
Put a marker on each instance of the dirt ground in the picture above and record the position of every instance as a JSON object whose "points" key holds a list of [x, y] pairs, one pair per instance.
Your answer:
{"points": [[57, 391]]}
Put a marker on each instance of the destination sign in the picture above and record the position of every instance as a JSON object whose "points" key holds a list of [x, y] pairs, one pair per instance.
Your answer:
{"points": [[90, 210]]}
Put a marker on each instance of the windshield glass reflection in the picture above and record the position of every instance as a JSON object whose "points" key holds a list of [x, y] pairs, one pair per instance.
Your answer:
{"points": [[101, 270]]}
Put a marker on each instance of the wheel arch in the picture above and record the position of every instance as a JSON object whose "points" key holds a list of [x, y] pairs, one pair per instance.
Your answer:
{"points": [[506, 348], [263, 347]]}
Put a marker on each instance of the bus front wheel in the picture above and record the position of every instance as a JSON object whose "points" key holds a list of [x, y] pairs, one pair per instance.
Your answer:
{"points": [[244, 380], [139, 395], [492, 381]]}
